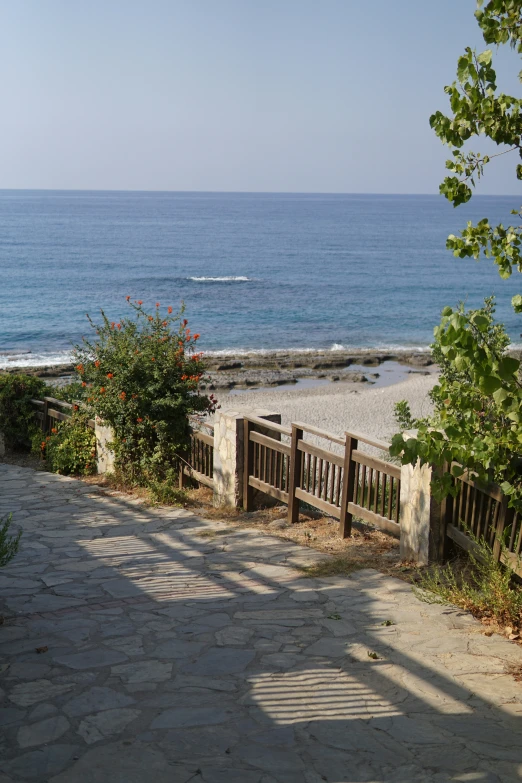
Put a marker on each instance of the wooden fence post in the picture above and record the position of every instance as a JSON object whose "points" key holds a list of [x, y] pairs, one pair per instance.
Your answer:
{"points": [[501, 524], [45, 420], [248, 448], [439, 540], [295, 474], [345, 522]]}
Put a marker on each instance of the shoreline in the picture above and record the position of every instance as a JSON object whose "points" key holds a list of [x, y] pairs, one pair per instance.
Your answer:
{"points": [[341, 407], [242, 370]]}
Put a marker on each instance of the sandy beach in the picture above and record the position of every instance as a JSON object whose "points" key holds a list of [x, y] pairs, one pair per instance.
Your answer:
{"points": [[340, 407]]}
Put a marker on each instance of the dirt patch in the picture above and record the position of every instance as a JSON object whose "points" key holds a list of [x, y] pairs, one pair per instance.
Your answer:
{"points": [[23, 459], [366, 548]]}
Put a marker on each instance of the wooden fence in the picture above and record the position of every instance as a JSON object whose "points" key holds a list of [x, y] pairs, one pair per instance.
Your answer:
{"points": [[483, 512], [198, 462], [49, 411], [343, 483], [339, 480]]}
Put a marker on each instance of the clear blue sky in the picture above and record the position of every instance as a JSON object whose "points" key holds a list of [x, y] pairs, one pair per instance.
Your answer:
{"points": [[242, 95]]}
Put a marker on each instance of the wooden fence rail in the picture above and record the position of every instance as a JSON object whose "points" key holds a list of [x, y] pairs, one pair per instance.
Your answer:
{"points": [[342, 485], [483, 511], [198, 463], [49, 411]]}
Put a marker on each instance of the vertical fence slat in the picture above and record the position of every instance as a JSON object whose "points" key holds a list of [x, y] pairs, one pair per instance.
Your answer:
{"points": [[295, 474], [248, 466], [345, 522]]}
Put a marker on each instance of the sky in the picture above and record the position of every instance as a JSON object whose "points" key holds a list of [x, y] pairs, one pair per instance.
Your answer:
{"points": [[233, 95]]}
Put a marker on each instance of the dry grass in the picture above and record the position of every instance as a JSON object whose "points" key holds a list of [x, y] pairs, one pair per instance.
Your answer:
{"points": [[338, 565]]}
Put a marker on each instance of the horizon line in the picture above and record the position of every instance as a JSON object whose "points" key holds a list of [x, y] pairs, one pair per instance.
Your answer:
{"points": [[241, 192]]}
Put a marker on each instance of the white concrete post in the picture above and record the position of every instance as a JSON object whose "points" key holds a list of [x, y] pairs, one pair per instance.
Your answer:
{"points": [[423, 525], [104, 455], [229, 454], [415, 513], [423, 528]]}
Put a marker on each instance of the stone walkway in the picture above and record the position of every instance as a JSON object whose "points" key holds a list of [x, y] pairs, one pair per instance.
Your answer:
{"points": [[147, 644]]}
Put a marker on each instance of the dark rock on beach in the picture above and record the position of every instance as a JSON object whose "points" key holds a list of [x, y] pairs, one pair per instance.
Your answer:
{"points": [[276, 368]]}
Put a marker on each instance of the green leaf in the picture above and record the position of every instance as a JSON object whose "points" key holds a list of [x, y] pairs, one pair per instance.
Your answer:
{"points": [[500, 395], [508, 367], [516, 303], [485, 57], [489, 384]]}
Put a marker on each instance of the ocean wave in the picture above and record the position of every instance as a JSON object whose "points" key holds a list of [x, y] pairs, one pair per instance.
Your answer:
{"points": [[225, 279], [334, 347], [12, 359]]}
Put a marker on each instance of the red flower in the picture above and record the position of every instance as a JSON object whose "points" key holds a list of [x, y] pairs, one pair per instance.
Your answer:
{"points": [[139, 419], [110, 375], [83, 383], [153, 359], [169, 309], [127, 298], [96, 363], [122, 396], [196, 337], [157, 304], [54, 430], [118, 326], [151, 318], [184, 377], [76, 408], [113, 324], [79, 367], [102, 390], [140, 302]]}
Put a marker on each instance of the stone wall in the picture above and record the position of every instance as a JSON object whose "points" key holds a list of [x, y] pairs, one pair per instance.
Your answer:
{"points": [[229, 455], [104, 455]]}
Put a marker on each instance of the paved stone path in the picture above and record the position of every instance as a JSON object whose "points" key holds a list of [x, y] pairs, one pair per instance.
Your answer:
{"points": [[152, 645]]}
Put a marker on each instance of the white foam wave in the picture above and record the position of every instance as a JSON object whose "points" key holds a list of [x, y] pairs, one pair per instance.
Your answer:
{"points": [[12, 359], [225, 279], [359, 349]]}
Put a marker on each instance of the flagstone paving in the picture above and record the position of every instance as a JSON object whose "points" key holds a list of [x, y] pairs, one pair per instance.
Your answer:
{"points": [[148, 644]]}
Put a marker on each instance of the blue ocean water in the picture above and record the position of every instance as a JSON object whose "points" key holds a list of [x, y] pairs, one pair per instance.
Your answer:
{"points": [[256, 271]]}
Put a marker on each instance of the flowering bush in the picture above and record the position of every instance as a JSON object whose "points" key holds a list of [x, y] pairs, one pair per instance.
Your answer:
{"points": [[141, 376], [18, 422], [70, 449]]}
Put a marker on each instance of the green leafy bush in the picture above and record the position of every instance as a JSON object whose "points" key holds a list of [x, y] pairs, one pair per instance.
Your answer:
{"points": [[8, 544], [477, 419], [141, 377], [70, 449], [17, 420]]}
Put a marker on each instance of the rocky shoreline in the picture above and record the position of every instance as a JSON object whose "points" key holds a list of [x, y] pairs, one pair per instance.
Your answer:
{"points": [[277, 368]]}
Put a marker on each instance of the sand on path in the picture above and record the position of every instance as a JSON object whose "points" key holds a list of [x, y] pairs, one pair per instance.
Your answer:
{"points": [[341, 407]]}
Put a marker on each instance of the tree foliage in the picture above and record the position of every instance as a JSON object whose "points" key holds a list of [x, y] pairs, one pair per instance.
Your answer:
{"points": [[478, 108], [477, 419]]}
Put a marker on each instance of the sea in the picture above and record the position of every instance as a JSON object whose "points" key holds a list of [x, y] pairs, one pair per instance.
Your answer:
{"points": [[256, 271]]}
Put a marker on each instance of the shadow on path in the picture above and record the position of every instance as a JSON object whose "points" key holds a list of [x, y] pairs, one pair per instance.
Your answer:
{"points": [[181, 649]]}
